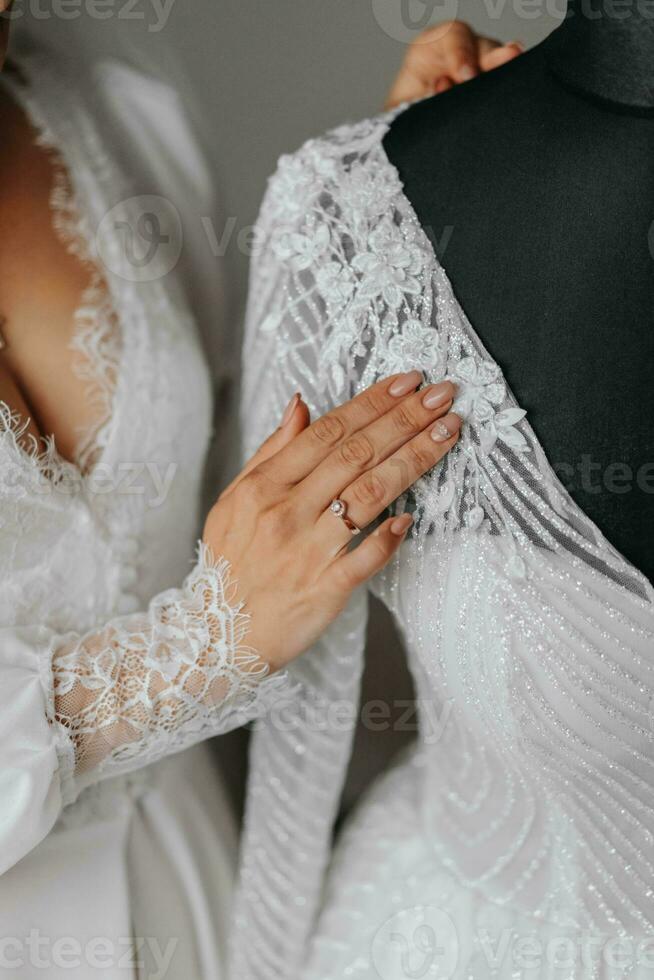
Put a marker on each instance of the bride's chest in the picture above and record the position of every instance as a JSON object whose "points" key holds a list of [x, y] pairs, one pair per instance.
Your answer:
{"points": [[98, 536], [82, 540], [76, 547]]}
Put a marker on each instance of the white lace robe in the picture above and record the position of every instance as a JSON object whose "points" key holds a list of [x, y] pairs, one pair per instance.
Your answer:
{"points": [[116, 649], [526, 811]]}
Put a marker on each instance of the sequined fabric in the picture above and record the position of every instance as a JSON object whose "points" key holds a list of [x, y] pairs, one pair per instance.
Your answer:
{"points": [[529, 803]]}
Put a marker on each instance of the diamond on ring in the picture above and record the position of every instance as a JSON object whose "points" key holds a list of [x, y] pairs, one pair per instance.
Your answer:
{"points": [[339, 509]]}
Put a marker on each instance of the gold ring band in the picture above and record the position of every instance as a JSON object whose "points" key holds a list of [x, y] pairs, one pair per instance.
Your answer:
{"points": [[338, 508]]}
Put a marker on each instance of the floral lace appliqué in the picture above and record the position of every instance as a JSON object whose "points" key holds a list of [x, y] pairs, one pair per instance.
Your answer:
{"points": [[361, 268], [158, 681]]}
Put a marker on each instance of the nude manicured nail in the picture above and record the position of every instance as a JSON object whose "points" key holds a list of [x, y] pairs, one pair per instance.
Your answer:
{"points": [[438, 395], [290, 409], [446, 428], [466, 73], [405, 384], [401, 525]]}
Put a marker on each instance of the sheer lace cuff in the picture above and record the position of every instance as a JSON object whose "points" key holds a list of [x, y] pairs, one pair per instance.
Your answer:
{"points": [[151, 684]]}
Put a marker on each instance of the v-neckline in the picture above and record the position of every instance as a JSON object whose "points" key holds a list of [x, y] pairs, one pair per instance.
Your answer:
{"points": [[95, 306]]}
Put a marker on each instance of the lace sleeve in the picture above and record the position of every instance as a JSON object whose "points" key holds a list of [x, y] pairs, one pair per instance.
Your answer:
{"points": [[151, 684]]}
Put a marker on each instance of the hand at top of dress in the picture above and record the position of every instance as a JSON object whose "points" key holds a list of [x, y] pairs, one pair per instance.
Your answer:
{"points": [[278, 523], [444, 55]]}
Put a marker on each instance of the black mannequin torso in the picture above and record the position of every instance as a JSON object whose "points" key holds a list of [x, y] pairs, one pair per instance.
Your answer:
{"points": [[548, 196]]}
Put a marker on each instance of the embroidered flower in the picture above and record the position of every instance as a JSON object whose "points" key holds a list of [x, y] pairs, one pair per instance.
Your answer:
{"points": [[390, 266], [336, 284], [323, 166], [503, 426], [338, 347], [303, 250], [293, 188], [481, 389], [367, 195], [416, 347], [481, 393]]}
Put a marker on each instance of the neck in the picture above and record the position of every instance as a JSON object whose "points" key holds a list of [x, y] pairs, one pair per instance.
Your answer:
{"points": [[606, 50]]}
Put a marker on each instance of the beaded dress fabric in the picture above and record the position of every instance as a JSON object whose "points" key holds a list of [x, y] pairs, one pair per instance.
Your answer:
{"points": [[525, 813]]}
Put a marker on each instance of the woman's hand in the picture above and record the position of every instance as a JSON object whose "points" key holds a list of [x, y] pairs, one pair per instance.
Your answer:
{"points": [[289, 552], [444, 55]]}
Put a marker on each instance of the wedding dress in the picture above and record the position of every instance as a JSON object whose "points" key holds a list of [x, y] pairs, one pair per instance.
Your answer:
{"points": [[114, 858], [516, 839]]}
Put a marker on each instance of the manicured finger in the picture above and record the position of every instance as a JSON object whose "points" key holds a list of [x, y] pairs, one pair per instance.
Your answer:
{"points": [[372, 493], [450, 47], [368, 447], [501, 56], [296, 418], [352, 569], [443, 85], [484, 47], [319, 440], [446, 50], [409, 87]]}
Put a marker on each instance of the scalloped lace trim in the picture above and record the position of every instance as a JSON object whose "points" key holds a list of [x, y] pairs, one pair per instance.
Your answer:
{"points": [[96, 342], [39, 455], [157, 682]]}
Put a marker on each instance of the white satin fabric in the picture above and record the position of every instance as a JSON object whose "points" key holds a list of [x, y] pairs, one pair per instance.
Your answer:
{"points": [[134, 877]]}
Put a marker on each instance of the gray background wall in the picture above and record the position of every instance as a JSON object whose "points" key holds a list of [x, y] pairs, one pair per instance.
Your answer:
{"points": [[260, 78], [263, 75]]}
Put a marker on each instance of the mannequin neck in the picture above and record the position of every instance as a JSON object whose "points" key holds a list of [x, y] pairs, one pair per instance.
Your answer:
{"points": [[605, 50]]}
